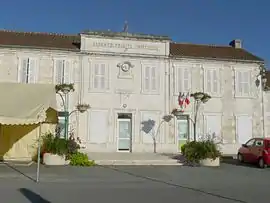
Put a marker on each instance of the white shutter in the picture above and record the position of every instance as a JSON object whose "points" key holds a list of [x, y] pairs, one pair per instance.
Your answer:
{"points": [[99, 129], [96, 77], [179, 85], [147, 79], [23, 72], [239, 82], [59, 71], [102, 76], [245, 82], [213, 126], [66, 71], [153, 79], [32, 71], [215, 81], [185, 79], [244, 128], [208, 80]]}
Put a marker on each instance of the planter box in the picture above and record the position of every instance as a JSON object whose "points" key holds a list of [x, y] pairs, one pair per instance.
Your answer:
{"points": [[54, 159], [210, 162]]}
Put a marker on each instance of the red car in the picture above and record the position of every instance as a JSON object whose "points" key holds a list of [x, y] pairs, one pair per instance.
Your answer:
{"points": [[256, 150]]}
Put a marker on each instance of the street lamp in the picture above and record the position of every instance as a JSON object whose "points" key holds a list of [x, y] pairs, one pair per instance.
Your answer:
{"points": [[65, 89], [199, 97]]}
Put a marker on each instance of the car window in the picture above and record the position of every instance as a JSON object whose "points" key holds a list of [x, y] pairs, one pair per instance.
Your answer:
{"points": [[250, 142], [259, 143]]}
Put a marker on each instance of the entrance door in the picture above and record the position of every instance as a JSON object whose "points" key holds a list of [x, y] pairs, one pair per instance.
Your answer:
{"points": [[124, 134], [182, 131]]}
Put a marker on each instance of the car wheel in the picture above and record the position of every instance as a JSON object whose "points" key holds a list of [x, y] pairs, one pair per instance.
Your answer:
{"points": [[261, 163], [240, 158]]}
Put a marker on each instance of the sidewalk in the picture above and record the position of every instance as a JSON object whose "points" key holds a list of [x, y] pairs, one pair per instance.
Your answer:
{"points": [[122, 158]]}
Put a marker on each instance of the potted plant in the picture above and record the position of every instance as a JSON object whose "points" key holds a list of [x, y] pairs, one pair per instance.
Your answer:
{"points": [[54, 150], [82, 107], [65, 88], [205, 153], [177, 112]]}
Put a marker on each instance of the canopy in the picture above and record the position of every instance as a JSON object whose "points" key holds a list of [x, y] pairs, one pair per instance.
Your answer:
{"points": [[24, 104]]}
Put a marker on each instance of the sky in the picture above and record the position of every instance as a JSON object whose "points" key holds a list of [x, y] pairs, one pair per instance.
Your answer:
{"points": [[188, 21]]}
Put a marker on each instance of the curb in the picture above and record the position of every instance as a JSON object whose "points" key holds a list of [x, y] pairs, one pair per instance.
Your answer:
{"points": [[138, 162]]}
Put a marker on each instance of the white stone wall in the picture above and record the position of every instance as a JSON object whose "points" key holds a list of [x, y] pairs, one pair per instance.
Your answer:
{"points": [[129, 91], [227, 104]]}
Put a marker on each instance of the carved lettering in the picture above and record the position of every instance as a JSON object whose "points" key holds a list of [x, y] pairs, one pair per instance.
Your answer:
{"points": [[124, 46]]}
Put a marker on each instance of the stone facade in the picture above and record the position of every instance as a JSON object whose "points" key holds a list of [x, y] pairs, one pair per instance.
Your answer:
{"points": [[134, 81]]}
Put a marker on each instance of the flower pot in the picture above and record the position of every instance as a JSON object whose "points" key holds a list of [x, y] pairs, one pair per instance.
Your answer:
{"points": [[54, 159], [210, 162]]}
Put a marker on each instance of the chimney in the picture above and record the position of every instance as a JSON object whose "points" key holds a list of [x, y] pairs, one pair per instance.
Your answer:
{"points": [[236, 43]]}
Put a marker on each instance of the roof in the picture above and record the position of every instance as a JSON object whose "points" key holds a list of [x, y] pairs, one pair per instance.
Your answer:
{"points": [[127, 35], [31, 107], [39, 40], [72, 42], [211, 51]]}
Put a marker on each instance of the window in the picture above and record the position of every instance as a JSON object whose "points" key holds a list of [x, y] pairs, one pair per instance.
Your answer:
{"points": [[242, 83], [100, 77], [150, 79], [60, 128], [259, 143], [27, 70], [62, 69], [182, 80], [212, 81], [250, 143]]}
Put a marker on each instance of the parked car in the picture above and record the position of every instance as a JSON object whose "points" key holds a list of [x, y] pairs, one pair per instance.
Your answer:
{"points": [[255, 150]]}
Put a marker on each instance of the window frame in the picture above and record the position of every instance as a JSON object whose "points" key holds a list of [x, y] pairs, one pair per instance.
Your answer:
{"points": [[157, 79], [205, 81]]}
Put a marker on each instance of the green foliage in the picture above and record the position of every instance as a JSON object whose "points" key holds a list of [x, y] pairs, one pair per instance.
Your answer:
{"points": [[54, 145], [196, 151], [80, 159]]}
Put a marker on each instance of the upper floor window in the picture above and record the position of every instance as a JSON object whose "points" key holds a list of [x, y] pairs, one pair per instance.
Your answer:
{"points": [[242, 83], [62, 71], [212, 81], [150, 78], [27, 70], [99, 76], [182, 79]]}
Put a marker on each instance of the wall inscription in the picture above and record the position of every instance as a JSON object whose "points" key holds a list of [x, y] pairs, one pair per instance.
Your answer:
{"points": [[125, 46]]}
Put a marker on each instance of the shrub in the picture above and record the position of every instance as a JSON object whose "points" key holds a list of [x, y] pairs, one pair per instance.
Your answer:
{"points": [[72, 147], [196, 151], [54, 145], [80, 159]]}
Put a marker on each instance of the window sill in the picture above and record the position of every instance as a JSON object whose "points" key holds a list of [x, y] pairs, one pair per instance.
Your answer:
{"points": [[150, 93], [99, 91], [124, 77]]}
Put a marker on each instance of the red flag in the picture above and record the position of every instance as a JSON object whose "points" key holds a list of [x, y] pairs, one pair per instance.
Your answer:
{"points": [[187, 101], [180, 100]]}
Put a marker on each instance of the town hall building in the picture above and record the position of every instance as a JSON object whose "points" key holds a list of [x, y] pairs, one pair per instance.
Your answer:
{"points": [[132, 81]]}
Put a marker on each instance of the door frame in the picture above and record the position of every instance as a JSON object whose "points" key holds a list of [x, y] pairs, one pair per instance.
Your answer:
{"points": [[117, 135], [176, 129]]}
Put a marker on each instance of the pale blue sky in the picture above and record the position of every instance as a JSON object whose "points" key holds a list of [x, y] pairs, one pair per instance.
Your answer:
{"points": [[195, 21]]}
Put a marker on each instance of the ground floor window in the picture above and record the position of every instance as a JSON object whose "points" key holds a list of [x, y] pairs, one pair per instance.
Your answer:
{"points": [[60, 128]]}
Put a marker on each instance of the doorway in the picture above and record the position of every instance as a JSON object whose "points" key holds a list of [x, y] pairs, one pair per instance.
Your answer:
{"points": [[182, 130], [124, 132]]}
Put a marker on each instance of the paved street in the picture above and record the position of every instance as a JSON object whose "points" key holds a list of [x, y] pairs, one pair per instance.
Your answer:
{"points": [[229, 183]]}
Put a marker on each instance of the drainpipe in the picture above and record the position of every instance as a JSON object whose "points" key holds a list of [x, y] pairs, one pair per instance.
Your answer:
{"points": [[263, 113]]}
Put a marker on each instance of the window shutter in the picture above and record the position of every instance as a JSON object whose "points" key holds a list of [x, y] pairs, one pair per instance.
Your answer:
{"points": [[239, 83], [24, 71], [102, 76], [59, 72], [32, 71], [245, 82], [208, 80], [96, 78], [147, 79], [66, 71], [215, 81], [179, 80], [153, 79], [186, 80]]}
